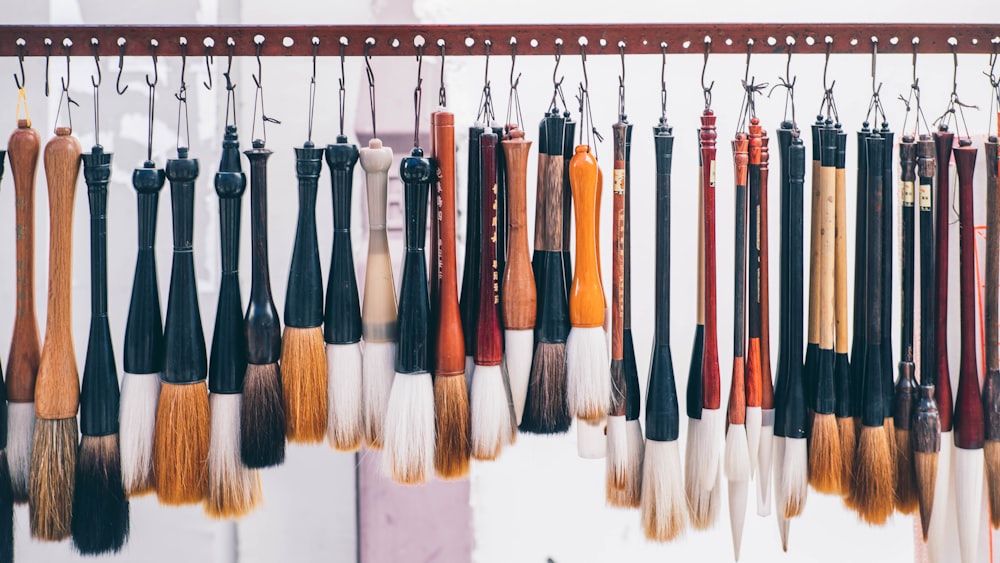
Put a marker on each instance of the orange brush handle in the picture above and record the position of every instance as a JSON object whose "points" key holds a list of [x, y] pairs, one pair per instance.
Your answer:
{"points": [[450, 338], [753, 380], [586, 297], [518, 295]]}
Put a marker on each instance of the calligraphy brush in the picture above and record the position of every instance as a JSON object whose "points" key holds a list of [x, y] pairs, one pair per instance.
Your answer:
{"points": [[765, 458], [6, 492], [810, 371], [906, 385], [844, 407], [753, 380], [469, 297], [663, 504], [888, 387], [592, 435], [57, 392], [23, 147], [860, 323], [233, 489], [568, 146], [633, 398], [991, 381]]}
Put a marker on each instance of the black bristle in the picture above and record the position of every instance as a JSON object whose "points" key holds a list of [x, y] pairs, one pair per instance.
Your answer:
{"points": [[100, 522], [262, 417]]}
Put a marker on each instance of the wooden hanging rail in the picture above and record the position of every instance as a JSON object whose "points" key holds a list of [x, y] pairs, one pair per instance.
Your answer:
{"points": [[463, 40]]}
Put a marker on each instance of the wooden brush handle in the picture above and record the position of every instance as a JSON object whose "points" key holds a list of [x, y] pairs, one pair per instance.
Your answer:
{"points": [[969, 423], [489, 339], [469, 299], [753, 374], [908, 176], [342, 321], [991, 381], [711, 392], [737, 392], [943, 141], [888, 228], [628, 234], [412, 354], [873, 412], [815, 228], [586, 298], [618, 244], [57, 389], [519, 293], [597, 238], [694, 383], [434, 278], [767, 384], [568, 149], [925, 199], [549, 265], [378, 309], [23, 149], [826, 219], [304, 295], [143, 351], [549, 196], [840, 248], [262, 325], [450, 341]]}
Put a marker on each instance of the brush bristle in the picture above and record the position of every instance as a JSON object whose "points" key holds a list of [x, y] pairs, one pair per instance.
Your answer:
{"points": [[825, 455], [906, 488], [991, 452], [664, 506], [451, 417], [53, 477], [795, 477], [345, 429], [968, 480], [100, 508], [754, 422], [737, 513], [874, 487], [20, 434], [588, 382], [890, 437], [491, 428], [233, 488], [377, 371], [6, 512], [616, 454], [848, 448], [262, 417], [545, 408], [702, 493], [518, 346], [180, 444], [777, 472], [303, 384], [710, 438], [926, 468], [737, 456], [139, 398], [764, 464], [624, 488], [408, 454]]}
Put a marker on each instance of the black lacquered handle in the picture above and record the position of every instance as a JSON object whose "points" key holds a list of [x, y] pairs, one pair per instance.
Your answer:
{"points": [[925, 201], [873, 412], [888, 228], [143, 352], [469, 295], [501, 159], [795, 412], [568, 148], [412, 351], [343, 308], [261, 322], [304, 297]]}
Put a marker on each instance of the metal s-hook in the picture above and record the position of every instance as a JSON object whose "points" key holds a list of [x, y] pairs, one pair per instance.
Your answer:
{"points": [[663, 81], [486, 113], [94, 44], [418, 96], [371, 82], [513, 98], [556, 81], [442, 92], [230, 85], [48, 55], [621, 83], [97, 91], [20, 81], [706, 90], [153, 44], [827, 89], [67, 45], [259, 93], [586, 114], [209, 59], [121, 66], [181, 96], [875, 89]]}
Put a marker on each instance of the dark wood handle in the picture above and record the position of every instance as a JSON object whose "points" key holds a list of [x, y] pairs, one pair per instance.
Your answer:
{"points": [[471, 266], [969, 422], [618, 244], [925, 198], [711, 392], [737, 392], [942, 143], [263, 327], [694, 383], [143, 351], [549, 196], [872, 405], [343, 307], [888, 228], [304, 295], [501, 213], [991, 381], [489, 339], [908, 174], [519, 292], [795, 407], [860, 324], [450, 341], [412, 350], [753, 372]]}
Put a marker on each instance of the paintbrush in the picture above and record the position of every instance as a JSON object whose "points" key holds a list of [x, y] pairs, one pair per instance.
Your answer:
{"points": [[304, 367], [888, 387], [844, 407], [343, 311], [825, 456], [181, 436], [233, 489], [737, 453], [100, 521], [6, 493], [408, 439], [54, 446], [810, 371], [566, 141], [633, 397], [23, 146], [926, 424], [545, 408], [969, 420], [906, 384], [765, 458], [753, 381], [469, 297], [663, 504], [991, 381], [451, 399]]}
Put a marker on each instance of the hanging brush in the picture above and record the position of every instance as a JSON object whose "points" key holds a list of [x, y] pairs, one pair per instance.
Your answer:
{"points": [[469, 297], [633, 397], [811, 368], [844, 407], [906, 384], [765, 457], [6, 493], [57, 391], [784, 137], [22, 367], [888, 386], [991, 381], [568, 149], [753, 380]]}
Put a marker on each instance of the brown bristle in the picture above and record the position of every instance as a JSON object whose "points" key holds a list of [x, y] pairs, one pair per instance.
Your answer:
{"points": [[991, 451], [53, 478], [825, 455], [848, 445], [233, 489], [451, 423], [925, 466], [890, 434], [545, 407], [100, 508], [262, 417], [6, 511], [906, 488], [303, 384], [874, 480], [180, 444], [625, 490]]}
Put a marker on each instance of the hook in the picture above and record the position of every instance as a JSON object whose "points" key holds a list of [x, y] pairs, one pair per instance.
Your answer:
{"points": [[875, 89], [663, 81], [826, 65], [706, 90], [418, 94], [153, 44], [20, 82], [513, 98], [94, 43], [259, 81], [230, 85], [121, 66], [371, 82], [442, 93], [585, 110], [67, 45], [209, 59], [312, 89], [513, 59], [48, 54], [557, 82], [65, 82], [486, 97], [181, 94], [621, 83], [486, 70]]}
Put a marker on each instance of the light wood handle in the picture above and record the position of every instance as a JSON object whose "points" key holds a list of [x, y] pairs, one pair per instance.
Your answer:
{"points": [[826, 216], [519, 294], [840, 260], [586, 298], [814, 257], [378, 309]]}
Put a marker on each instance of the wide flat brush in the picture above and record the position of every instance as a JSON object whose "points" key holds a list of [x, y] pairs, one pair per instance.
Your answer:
{"points": [[844, 407], [765, 459], [6, 494], [991, 380], [633, 396], [57, 391], [753, 380], [23, 147], [663, 503], [181, 436], [811, 368], [469, 296], [233, 489]]}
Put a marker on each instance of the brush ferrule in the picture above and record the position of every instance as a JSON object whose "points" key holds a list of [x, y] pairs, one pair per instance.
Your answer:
{"points": [[926, 422], [662, 412], [905, 396], [552, 319]]}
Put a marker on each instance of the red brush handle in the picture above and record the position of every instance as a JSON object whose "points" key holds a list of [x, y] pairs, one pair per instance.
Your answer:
{"points": [[618, 239], [942, 391], [767, 385], [450, 338], [969, 422], [489, 339], [710, 391]]}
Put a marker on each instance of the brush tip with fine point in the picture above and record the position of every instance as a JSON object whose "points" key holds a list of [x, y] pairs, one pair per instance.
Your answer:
{"points": [[100, 523], [345, 407], [874, 480], [53, 476], [408, 438], [233, 488], [795, 477], [545, 408], [303, 384], [588, 383], [702, 493], [181, 443], [140, 395], [925, 466], [518, 346], [663, 504], [451, 418], [991, 452], [906, 488], [6, 512], [20, 434], [262, 417], [490, 414], [378, 370], [623, 485], [825, 455], [737, 454]]}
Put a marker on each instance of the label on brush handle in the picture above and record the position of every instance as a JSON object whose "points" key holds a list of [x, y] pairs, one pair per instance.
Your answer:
{"points": [[925, 196], [908, 194]]}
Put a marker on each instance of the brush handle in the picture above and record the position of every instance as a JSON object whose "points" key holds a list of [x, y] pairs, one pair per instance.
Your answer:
{"points": [[633, 395], [694, 383], [378, 308], [342, 320], [228, 358], [568, 148], [842, 370], [969, 422], [824, 382], [24, 147], [906, 384], [925, 198], [143, 352], [450, 342], [795, 409], [57, 389], [943, 141], [489, 338], [785, 360], [549, 224], [501, 211], [767, 385], [471, 266], [873, 413], [412, 353], [858, 341], [737, 392], [261, 322], [710, 391], [815, 229], [304, 295], [434, 277], [618, 244], [991, 381], [548, 264], [183, 340], [753, 377], [888, 390], [598, 192], [3, 388], [519, 293], [586, 298]]}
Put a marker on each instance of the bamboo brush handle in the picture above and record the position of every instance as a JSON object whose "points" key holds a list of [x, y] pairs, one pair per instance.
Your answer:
{"points": [[342, 321], [711, 392], [378, 308], [753, 377], [767, 384], [586, 298], [925, 198], [840, 248], [489, 339], [737, 393], [412, 354], [815, 228], [826, 222], [57, 389], [262, 325], [943, 141], [304, 295], [991, 381], [519, 294], [618, 245], [908, 175], [23, 148], [449, 341], [969, 421]]}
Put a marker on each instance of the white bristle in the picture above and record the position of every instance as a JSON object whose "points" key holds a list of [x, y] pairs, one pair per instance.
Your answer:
{"points": [[588, 375], [942, 524], [519, 347], [777, 470], [345, 412], [663, 507], [702, 481], [636, 447], [20, 430], [737, 462], [617, 452], [710, 434], [470, 366], [408, 455], [490, 413], [795, 477], [139, 398], [237, 485], [591, 438], [378, 369], [753, 424], [737, 512], [968, 472], [765, 461]]}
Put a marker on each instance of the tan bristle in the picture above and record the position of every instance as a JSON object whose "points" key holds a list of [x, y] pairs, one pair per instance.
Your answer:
{"points": [[825, 455], [890, 435], [625, 491], [663, 504], [906, 488], [991, 451], [848, 445], [925, 466], [53, 478], [233, 489], [303, 384], [180, 444], [874, 479], [451, 421]]}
